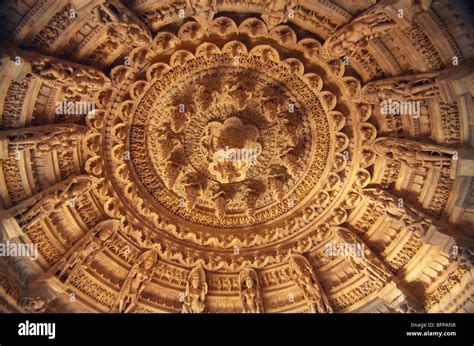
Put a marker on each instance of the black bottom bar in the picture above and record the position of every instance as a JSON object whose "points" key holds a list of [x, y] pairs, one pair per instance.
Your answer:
{"points": [[209, 329]]}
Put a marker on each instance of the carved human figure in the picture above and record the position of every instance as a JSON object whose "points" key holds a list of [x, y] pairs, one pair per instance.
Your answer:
{"points": [[371, 268], [137, 279], [120, 27], [232, 148], [193, 184], [237, 94], [220, 199], [34, 305], [277, 11], [415, 154], [77, 80], [289, 128], [196, 289], [303, 275], [403, 213], [356, 34], [415, 87], [48, 138], [32, 210], [250, 291], [276, 179]]}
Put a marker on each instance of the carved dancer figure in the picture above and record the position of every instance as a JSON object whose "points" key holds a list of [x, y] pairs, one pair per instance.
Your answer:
{"points": [[77, 80], [140, 275], [47, 138], [415, 154], [355, 35], [415, 87], [372, 269], [250, 291], [304, 277], [407, 216], [277, 11], [120, 26], [37, 207], [86, 249], [196, 290]]}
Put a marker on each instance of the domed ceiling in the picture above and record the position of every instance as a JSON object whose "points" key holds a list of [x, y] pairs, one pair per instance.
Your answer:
{"points": [[237, 156]]}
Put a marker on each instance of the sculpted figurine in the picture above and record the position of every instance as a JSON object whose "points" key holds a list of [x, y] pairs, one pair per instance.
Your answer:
{"points": [[372, 270], [32, 210], [250, 292], [277, 12], [193, 184], [415, 154], [414, 87], [303, 275], [83, 253], [196, 290], [34, 305], [120, 27], [203, 10], [77, 80], [48, 138], [407, 216], [237, 94], [289, 128], [140, 275], [220, 199], [355, 35]]}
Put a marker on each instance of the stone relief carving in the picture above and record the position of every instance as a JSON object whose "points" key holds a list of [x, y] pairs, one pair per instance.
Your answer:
{"points": [[288, 194], [85, 250], [356, 35], [194, 300], [416, 155], [304, 277], [414, 87], [250, 291], [137, 279]]}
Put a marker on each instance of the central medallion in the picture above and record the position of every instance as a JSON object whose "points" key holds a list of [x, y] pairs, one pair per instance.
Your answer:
{"points": [[232, 148]]}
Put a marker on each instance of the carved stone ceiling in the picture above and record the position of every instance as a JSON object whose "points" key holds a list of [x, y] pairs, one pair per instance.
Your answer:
{"points": [[238, 156]]}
